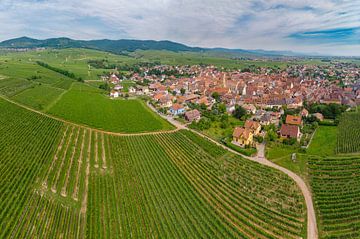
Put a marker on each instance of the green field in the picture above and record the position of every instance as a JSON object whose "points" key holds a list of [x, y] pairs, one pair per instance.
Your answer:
{"points": [[90, 106], [324, 141], [73, 182], [38, 97]]}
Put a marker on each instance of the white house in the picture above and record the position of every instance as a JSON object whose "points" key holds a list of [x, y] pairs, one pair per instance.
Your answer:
{"points": [[132, 89], [114, 94]]}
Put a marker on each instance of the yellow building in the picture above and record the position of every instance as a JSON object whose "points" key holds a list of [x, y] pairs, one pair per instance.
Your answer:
{"points": [[253, 126], [243, 137]]}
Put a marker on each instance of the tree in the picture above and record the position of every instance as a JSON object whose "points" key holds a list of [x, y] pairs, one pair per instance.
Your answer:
{"points": [[105, 86], [182, 91], [216, 96], [239, 112]]}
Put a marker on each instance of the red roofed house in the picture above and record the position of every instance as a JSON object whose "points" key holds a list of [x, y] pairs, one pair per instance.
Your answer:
{"points": [[242, 136], [293, 120], [177, 109], [192, 115], [253, 126], [290, 131]]}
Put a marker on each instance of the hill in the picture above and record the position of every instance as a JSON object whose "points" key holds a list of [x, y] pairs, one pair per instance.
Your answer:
{"points": [[127, 45]]}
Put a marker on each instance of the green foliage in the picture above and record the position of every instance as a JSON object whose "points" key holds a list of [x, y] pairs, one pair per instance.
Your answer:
{"points": [[60, 71], [105, 86], [216, 96], [329, 111], [239, 112]]}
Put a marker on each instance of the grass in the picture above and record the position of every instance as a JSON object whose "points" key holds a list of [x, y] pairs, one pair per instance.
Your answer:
{"points": [[324, 141], [90, 106], [218, 133], [38, 97], [276, 150]]}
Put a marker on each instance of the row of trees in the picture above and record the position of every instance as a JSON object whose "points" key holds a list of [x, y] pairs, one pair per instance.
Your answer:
{"points": [[60, 71]]}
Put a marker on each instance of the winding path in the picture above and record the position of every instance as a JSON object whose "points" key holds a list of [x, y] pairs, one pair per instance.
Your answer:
{"points": [[312, 232]]}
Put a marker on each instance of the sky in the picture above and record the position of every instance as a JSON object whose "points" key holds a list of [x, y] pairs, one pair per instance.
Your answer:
{"points": [[329, 27]]}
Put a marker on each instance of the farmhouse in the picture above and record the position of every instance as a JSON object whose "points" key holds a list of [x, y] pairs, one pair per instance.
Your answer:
{"points": [[192, 115], [290, 131], [293, 120], [242, 136]]}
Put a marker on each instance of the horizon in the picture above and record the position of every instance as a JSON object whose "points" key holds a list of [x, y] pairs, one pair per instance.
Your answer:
{"points": [[327, 27]]}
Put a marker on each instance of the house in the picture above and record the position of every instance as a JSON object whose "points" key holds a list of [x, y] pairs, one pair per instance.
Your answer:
{"points": [[114, 79], [193, 115], [143, 90], [114, 94], [265, 119], [319, 116], [293, 120], [242, 137], [118, 87], [304, 113], [132, 89], [290, 131], [177, 109], [253, 126], [251, 109]]}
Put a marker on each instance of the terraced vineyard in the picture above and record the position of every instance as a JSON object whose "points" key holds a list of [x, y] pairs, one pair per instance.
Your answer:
{"points": [[75, 182], [336, 184], [349, 133]]}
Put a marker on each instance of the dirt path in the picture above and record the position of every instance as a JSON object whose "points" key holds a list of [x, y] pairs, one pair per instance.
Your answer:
{"points": [[312, 232]]}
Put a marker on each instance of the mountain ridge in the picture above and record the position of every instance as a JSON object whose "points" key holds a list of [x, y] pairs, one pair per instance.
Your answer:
{"points": [[130, 45]]}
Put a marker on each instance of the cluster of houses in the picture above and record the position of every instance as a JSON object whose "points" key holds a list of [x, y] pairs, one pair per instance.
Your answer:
{"points": [[255, 92], [117, 87]]}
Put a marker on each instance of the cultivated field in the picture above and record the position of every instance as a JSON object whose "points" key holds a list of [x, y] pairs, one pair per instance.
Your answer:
{"points": [[38, 97], [335, 183], [74, 182], [90, 106], [348, 140]]}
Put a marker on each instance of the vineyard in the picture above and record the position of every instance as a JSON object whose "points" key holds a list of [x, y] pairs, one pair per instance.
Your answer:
{"points": [[75, 182], [90, 106], [335, 184], [349, 133]]}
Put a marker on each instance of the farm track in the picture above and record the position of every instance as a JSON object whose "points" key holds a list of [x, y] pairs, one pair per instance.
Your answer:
{"points": [[312, 232]]}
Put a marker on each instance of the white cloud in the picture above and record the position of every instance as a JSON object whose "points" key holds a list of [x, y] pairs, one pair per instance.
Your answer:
{"points": [[250, 24]]}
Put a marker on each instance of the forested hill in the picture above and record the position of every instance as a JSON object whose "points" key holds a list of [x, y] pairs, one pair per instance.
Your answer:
{"points": [[115, 46], [124, 45]]}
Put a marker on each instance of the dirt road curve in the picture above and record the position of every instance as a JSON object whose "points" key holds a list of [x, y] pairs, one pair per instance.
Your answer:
{"points": [[312, 232]]}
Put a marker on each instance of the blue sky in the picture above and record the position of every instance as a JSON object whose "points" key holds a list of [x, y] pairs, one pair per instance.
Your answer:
{"points": [[323, 26]]}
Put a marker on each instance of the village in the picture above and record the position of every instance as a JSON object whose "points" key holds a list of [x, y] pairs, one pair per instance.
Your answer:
{"points": [[289, 103]]}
